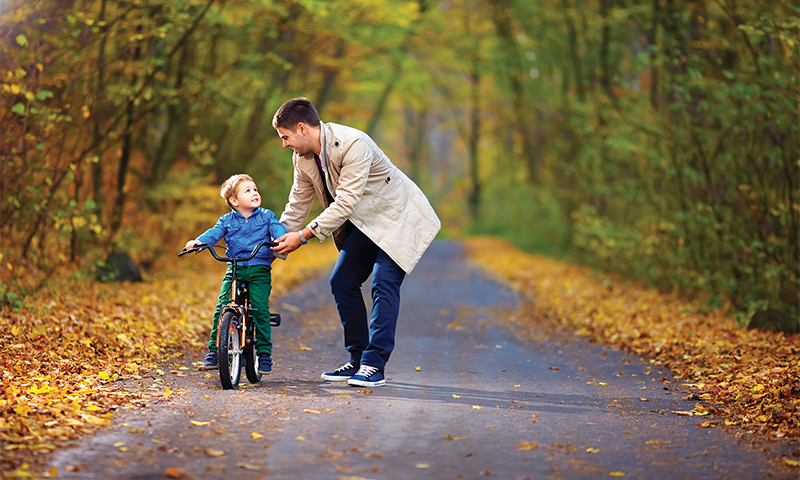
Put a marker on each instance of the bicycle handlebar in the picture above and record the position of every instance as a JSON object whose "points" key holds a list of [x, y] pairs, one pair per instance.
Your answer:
{"points": [[203, 246]]}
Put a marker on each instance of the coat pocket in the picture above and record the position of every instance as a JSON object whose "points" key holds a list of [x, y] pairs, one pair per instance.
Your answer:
{"points": [[382, 205]]}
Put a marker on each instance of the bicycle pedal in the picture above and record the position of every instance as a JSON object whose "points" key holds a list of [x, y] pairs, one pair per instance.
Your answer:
{"points": [[275, 319]]}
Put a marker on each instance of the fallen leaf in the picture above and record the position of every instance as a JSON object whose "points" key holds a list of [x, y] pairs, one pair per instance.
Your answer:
{"points": [[450, 437], [592, 450], [213, 452], [554, 368], [523, 446], [476, 407], [301, 438], [791, 463], [616, 474], [174, 472], [644, 399], [248, 466], [372, 455], [706, 424], [199, 424], [52, 472], [119, 444], [516, 386], [423, 465], [681, 412], [417, 369], [456, 396], [256, 435], [308, 410], [491, 426]]}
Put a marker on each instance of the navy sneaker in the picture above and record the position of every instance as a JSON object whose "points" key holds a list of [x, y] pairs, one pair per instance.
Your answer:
{"points": [[367, 377], [264, 364], [211, 361], [341, 374]]}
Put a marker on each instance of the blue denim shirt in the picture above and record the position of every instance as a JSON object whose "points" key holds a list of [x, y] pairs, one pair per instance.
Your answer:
{"points": [[243, 234]]}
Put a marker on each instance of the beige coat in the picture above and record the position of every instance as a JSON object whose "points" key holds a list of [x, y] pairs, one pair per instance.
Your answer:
{"points": [[378, 198]]}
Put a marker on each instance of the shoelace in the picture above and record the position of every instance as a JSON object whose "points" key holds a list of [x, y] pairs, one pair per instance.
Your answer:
{"points": [[366, 371], [346, 366]]}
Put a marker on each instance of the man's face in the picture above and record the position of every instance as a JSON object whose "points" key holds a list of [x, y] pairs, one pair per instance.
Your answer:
{"points": [[298, 140]]}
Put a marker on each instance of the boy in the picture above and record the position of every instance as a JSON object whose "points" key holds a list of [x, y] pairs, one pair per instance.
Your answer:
{"points": [[243, 228]]}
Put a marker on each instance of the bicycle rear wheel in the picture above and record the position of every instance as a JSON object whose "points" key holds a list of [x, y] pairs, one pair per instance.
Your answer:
{"points": [[251, 364], [230, 350]]}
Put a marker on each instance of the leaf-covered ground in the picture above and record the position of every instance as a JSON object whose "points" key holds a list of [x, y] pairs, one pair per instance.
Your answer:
{"points": [[62, 357], [740, 377]]}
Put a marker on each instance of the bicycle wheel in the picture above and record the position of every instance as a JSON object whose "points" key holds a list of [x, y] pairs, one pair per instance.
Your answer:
{"points": [[251, 364], [230, 351]]}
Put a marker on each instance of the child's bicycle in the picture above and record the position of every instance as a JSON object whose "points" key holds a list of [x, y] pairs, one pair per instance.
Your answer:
{"points": [[236, 333]]}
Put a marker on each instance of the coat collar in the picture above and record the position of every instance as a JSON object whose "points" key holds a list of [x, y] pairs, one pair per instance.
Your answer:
{"points": [[240, 217]]}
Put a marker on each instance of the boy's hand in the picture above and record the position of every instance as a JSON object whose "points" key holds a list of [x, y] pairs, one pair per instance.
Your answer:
{"points": [[190, 244], [287, 243]]}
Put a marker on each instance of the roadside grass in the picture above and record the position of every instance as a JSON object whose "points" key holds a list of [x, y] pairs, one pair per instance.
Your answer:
{"points": [[747, 378], [65, 354]]}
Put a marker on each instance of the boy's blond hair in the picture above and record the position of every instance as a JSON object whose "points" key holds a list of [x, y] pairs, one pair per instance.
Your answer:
{"points": [[230, 188]]}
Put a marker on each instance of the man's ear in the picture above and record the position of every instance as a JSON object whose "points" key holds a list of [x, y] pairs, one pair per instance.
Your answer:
{"points": [[302, 128]]}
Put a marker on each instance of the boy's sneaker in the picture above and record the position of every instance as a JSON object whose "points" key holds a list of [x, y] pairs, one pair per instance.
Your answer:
{"points": [[367, 377], [211, 361], [264, 364], [341, 374]]}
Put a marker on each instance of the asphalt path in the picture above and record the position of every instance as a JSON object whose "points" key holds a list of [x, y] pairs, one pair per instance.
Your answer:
{"points": [[466, 397]]}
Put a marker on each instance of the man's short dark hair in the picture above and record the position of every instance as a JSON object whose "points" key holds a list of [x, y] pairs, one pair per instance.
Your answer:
{"points": [[295, 111]]}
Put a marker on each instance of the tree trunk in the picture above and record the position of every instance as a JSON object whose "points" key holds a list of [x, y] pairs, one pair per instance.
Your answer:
{"points": [[127, 143], [573, 52], [97, 167], [653, 67], [330, 79], [474, 141], [161, 165]]}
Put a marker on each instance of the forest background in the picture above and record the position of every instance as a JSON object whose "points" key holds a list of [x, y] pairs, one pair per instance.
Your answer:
{"points": [[657, 140]]}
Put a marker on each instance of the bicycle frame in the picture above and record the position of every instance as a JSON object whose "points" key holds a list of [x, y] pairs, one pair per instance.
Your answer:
{"points": [[239, 296]]}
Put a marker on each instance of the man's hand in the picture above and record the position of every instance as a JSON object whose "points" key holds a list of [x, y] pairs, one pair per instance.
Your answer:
{"points": [[287, 243]]}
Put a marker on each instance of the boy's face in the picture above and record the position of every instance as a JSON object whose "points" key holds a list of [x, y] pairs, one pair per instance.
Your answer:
{"points": [[247, 197]]}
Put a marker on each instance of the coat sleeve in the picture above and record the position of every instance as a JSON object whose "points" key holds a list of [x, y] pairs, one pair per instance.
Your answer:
{"points": [[356, 162], [276, 228], [301, 198], [215, 233]]}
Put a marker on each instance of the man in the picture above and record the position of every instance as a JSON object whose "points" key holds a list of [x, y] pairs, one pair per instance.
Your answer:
{"points": [[380, 220]]}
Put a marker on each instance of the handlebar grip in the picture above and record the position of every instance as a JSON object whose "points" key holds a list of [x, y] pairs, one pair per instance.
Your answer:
{"points": [[197, 248]]}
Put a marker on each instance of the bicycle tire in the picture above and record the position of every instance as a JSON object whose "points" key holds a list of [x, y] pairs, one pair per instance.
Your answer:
{"points": [[251, 364], [230, 351]]}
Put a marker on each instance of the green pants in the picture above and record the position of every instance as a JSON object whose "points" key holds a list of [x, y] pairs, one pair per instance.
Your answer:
{"points": [[259, 284]]}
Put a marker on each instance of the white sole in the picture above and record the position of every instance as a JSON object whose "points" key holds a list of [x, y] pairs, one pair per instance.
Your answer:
{"points": [[337, 378], [361, 383]]}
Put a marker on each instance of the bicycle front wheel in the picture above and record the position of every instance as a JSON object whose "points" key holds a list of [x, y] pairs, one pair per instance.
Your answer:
{"points": [[230, 350]]}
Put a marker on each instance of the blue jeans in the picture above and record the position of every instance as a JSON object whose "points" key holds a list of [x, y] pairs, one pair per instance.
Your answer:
{"points": [[368, 343]]}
